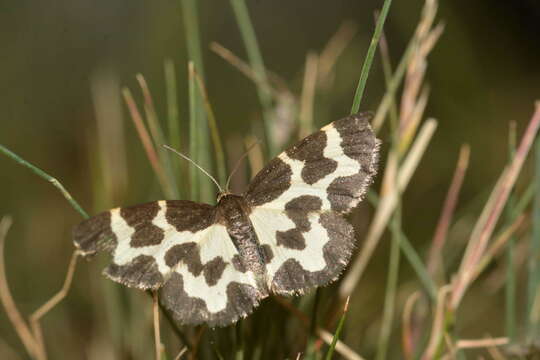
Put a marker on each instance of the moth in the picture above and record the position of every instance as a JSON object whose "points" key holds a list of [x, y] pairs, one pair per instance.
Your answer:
{"points": [[284, 235]]}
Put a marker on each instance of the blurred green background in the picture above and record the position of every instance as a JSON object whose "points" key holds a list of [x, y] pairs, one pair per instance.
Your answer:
{"points": [[483, 73]]}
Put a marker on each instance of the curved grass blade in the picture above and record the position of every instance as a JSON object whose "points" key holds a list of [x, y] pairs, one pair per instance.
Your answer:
{"points": [[338, 331]]}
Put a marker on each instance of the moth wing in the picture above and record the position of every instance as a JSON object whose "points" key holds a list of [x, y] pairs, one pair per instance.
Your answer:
{"points": [[139, 237], [180, 247], [303, 249], [211, 285], [337, 163]]}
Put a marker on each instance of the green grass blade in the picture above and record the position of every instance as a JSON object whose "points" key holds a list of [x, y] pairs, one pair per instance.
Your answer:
{"points": [[257, 63], [391, 287], [199, 133], [194, 174], [411, 255], [173, 119], [369, 57], [338, 332], [46, 177], [214, 132], [534, 262], [510, 285]]}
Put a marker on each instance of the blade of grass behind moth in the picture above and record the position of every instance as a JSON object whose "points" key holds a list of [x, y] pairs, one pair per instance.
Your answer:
{"points": [[275, 83], [42, 174], [438, 327], [338, 331], [435, 263], [333, 50], [157, 137], [194, 174], [391, 286], [173, 119], [257, 64], [386, 208], [533, 265], [510, 283], [428, 15], [20, 326], [214, 131], [408, 338], [308, 95], [146, 142], [239, 341], [501, 240], [198, 136], [481, 234], [387, 71], [366, 67], [111, 143]]}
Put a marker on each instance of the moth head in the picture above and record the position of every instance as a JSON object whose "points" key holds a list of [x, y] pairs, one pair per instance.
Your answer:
{"points": [[222, 194]]}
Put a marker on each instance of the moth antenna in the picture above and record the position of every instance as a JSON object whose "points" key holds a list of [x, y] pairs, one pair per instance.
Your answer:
{"points": [[195, 164], [239, 161]]}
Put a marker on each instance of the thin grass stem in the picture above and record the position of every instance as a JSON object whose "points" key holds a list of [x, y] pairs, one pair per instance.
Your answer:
{"points": [[308, 95], [366, 67], [510, 284], [338, 331], [194, 175], [172, 105], [198, 133], [533, 266], [13, 314], [158, 137], [45, 176], [214, 132], [146, 141], [257, 64], [391, 286]]}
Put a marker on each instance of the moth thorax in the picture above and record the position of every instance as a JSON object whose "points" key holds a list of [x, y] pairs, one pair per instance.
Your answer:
{"points": [[234, 212]]}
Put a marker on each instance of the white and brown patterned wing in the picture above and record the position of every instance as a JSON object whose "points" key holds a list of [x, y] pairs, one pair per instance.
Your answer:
{"points": [[180, 247], [302, 249], [335, 164], [298, 200]]}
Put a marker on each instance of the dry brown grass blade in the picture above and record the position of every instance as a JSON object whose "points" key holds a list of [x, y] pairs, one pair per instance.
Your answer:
{"points": [[407, 335], [197, 342], [255, 155], [437, 244], [333, 50], [181, 353], [482, 343], [498, 245], [157, 333], [386, 207], [20, 326], [423, 40], [308, 95], [437, 329], [50, 304], [482, 233], [495, 353], [277, 83], [145, 137]]}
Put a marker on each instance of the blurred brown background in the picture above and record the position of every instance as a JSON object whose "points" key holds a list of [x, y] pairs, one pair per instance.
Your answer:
{"points": [[483, 73]]}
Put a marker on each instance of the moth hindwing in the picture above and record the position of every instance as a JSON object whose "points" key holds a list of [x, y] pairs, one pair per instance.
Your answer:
{"points": [[284, 235]]}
